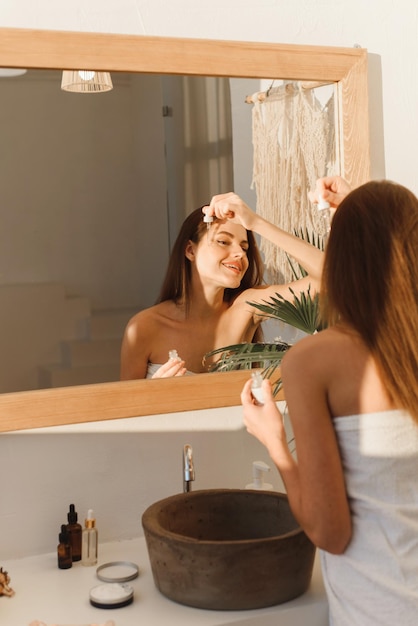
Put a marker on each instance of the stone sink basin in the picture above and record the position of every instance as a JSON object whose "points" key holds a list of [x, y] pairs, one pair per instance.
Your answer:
{"points": [[227, 549]]}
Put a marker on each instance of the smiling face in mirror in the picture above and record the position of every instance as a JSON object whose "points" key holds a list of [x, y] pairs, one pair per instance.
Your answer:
{"points": [[198, 309]]}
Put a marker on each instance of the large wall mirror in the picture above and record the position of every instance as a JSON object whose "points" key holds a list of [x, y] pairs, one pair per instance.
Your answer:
{"points": [[94, 189], [45, 53]]}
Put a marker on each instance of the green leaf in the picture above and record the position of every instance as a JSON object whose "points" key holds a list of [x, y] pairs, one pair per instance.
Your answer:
{"points": [[301, 313], [316, 240], [267, 356], [246, 356]]}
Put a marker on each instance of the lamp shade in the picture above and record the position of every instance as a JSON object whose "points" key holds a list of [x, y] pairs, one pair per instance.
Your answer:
{"points": [[86, 81]]}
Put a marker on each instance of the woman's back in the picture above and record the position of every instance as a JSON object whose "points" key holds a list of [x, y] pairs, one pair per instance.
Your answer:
{"points": [[352, 397], [375, 580], [339, 356]]}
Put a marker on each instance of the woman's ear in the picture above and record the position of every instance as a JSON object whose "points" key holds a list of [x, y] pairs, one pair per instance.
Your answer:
{"points": [[189, 253]]}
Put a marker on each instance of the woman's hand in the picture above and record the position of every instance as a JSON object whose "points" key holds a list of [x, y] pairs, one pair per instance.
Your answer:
{"points": [[264, 421], [173, 367], [333, 189], [229, 206]]}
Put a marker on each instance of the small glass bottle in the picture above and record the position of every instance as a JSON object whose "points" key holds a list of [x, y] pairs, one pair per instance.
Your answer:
{"points": [[89, 540], [256, 387], [64, 554], [74, 530], [324, 209]]}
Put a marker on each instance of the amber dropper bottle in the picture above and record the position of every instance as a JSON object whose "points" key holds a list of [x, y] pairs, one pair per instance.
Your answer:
{"points": [[74, 530], [64, 554]]}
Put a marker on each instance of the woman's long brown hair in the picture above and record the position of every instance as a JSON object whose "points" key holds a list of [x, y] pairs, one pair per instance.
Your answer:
{"points": [[370, 281], [177, 282]]}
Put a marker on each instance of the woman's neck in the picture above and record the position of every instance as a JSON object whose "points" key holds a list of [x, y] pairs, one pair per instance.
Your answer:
{"points": [[201, 308], [206, 301]]}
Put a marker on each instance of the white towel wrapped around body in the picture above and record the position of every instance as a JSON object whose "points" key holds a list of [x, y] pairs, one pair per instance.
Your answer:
{"points": [[375, 582]]}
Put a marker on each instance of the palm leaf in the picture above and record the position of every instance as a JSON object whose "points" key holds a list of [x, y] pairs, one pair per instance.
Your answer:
{"points": [[316, 240], [246, 356], [301, 313], [267, 356]]}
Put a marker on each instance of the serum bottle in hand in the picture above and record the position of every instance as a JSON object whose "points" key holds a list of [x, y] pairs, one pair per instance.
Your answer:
{"points": [[256, 387]]}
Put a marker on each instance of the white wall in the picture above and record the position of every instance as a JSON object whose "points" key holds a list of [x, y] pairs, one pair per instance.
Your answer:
{"points": [[118, 468], [387, 29], [77, 187]]}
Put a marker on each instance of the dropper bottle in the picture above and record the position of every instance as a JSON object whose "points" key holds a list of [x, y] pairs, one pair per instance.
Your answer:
{"points": [[208, 219], [256, 387], [89, 540], [74, 533], [325, 210], [64, 553]]}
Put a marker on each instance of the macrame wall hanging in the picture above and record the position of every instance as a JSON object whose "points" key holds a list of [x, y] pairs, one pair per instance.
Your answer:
{"points": [[294, 143]]}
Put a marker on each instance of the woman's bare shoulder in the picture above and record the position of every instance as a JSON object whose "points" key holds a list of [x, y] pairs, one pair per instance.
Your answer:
{"points": [[144, 324], [150, 314], [314, 351]]}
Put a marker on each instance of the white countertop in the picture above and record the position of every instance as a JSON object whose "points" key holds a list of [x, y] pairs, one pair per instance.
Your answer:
{"points": [[61, 597]]}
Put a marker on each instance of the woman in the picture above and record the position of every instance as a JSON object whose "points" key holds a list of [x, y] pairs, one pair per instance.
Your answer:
{"points": [[214, 271], [352, 397]]}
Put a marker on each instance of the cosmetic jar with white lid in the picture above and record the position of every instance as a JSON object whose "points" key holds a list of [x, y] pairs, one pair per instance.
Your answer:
{"points": [[117, 571], [111, 595]]}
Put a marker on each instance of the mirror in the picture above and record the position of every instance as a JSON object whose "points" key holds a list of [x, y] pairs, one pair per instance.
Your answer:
{"points": [[119, 53], [93, 190]]}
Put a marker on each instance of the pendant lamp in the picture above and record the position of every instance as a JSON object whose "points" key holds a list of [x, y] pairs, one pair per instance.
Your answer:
{"points": [[86, 81]]}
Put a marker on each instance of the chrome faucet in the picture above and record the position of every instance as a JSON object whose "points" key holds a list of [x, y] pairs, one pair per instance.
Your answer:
{"points": [[188, 468]]}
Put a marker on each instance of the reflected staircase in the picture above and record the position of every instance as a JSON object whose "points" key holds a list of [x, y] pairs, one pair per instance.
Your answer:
{"points": [[93, 357]]}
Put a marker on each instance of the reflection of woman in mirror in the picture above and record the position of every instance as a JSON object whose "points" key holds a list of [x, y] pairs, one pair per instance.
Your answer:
{"points": [[352, 397], [212, 274]]}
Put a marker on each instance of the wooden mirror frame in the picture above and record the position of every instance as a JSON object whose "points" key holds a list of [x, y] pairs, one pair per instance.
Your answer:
{"points": [[136, 53]]}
